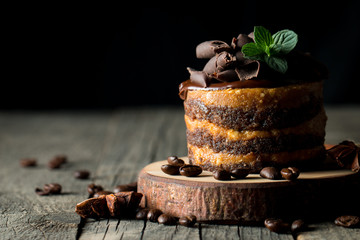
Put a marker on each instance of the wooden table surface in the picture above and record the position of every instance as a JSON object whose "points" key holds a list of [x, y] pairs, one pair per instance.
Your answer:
{"points": [[114, 146]]}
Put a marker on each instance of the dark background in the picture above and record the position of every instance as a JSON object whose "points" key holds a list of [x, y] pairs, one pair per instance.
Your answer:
{"points": [[108, 56]]}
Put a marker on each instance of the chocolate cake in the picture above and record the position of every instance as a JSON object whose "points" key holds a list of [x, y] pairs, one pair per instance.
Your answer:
{"points": [[252, 111]]}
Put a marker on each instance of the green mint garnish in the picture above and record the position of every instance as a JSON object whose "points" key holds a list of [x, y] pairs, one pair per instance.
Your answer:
{"points": [[271, 48]]}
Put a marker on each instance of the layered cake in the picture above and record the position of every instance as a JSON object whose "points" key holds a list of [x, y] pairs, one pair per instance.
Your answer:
{"points": [[255, 104]]}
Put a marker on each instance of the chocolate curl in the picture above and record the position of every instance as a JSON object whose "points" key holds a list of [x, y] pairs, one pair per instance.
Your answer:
{"points": [[208, 49], [224, 60], [199, 77], [240, 41], [346, 155], [226, 76]]}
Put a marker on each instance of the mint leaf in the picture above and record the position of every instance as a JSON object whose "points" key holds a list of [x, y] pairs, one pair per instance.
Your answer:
{"points": [[252, 51], [277, 63], [286, 39], [262, 37]]}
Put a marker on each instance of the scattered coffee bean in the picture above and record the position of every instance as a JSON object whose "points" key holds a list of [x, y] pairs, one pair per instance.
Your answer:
{"points": [[57, 161], [153, 215], [190, 170], [270, 173], [175, 161], [170, 169], [142, 214], [187, 221], [240, 173], [166, 219], [221, 174], [126, 187], [93, 208], [101, 193], [92, 189], [298, 226], [82, 174], [116, 205], [290, 173], [28, 162], [348, 221], [276, 225], [51, 188]]}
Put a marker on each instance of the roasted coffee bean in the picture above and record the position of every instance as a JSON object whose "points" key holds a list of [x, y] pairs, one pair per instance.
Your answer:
{"points": [[93, 208], [221, 174], [51, 188], [57, 161], [276, 225], [190, 170], [240, 173], [126, 187], [28, 162], [187, 221], [92, 189], [116, 205], [175, 161], [142, 214], [82, 174], [270, 173], [153, 215], [166, 219], [101, 193], [170, 169], [290, 173], [348, 221], [298, 226]]}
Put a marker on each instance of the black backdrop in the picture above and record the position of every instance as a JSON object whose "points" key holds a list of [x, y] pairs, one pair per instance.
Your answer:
{"points": [[91, 56]]}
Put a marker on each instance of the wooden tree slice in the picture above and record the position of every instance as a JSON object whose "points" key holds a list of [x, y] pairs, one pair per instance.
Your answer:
{"points": [[251, 200]]}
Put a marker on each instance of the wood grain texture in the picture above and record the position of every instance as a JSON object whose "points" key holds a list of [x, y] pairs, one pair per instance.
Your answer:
{"points": [[114, 146]]}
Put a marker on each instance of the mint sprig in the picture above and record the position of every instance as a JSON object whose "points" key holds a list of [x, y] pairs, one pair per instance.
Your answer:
{"points": [[271, 48]]}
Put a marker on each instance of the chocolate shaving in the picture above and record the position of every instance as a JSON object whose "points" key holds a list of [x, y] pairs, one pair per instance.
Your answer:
{"points": [[248, 71], [240, 41], [224, 60], [208, 49], [199, 77], [226, 76], [346, 155]]}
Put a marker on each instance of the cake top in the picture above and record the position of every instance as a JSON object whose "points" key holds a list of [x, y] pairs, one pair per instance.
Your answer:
{"points": [[259, 59]]}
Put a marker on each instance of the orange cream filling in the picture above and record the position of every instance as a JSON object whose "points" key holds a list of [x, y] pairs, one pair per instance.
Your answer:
{"points": [[315, 126], [205, 155]]}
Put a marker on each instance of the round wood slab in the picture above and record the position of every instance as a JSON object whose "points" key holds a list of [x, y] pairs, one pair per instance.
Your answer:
{"points": [[248, 200]]}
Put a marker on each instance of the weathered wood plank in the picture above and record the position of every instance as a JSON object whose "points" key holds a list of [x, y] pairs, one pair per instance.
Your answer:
{"points": [[328, 230]]}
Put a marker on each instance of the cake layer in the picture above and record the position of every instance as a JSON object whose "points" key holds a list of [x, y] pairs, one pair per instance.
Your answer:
{"points": [[314, 126], [258, 108], [291, 142], [209, 159]]}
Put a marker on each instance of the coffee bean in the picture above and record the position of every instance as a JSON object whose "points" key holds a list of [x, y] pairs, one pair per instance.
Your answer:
{"points": [[57, 161], [290, 173], [92, 189], [348, 221], [82, 174], [270, 173], [116, 205], [126, 187], [142, 214], [101, 193], [170, 169], [221, 174], [276, 225], [190, 170], [240, 173], [28, 162], [51, 188], [153, 215], [166, 219], [298, 226], [187, 221], [175, 161]]}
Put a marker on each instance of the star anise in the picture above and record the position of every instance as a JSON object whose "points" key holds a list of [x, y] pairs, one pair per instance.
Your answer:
{"points": [[346, 155]]}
